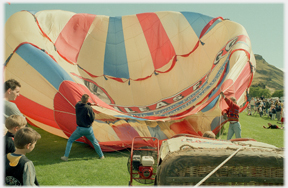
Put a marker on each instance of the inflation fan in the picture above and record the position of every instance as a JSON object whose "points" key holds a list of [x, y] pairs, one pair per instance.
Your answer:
{"points": [[142, 164]]}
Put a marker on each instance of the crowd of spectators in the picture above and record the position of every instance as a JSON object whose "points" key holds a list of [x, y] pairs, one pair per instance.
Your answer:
{"points": [[272, 108]]}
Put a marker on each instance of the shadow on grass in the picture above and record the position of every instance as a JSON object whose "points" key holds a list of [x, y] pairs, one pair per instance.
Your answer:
{"points": [[50, 148]]}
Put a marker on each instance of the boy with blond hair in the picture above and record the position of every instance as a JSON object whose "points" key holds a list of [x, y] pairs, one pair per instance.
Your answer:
{"points": [[13, 123], [19, 169]]}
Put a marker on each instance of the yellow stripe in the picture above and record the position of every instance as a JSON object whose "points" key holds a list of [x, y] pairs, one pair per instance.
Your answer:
{"points": [[33, 85], [91, 55], [49, 129], [179, 31], [56, 22], [139, 58]]}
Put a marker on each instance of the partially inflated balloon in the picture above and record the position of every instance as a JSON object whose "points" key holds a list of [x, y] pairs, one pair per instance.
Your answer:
{"points": [[150, 74]]}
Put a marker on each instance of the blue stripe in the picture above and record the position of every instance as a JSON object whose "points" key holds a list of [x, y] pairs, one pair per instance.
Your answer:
{"points": [[198, 21], [157, 132], [130, 117], [115, 60], [44, 64], [216, 122]]}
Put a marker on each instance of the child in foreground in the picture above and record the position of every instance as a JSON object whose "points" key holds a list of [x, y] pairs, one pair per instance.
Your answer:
{"points": [[19, 170], [13, 123]]}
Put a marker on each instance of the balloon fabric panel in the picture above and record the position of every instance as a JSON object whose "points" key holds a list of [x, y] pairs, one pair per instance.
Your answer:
{"points": [[48, 68], [149, 74], [159, 44], [115, 65], [71, 38]]}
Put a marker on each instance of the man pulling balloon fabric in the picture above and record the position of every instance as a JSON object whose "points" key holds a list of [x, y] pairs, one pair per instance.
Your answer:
{"points": [[84, 119], [232, 114]]}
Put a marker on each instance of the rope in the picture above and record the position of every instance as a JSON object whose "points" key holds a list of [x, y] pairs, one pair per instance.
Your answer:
{"points": [[213, 171]]}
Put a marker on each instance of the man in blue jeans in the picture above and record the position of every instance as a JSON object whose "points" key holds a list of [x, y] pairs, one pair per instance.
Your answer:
{"points": [[84, 119]]}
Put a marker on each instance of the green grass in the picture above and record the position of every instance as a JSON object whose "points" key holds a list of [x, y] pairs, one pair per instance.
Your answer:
{"points": [[84, 168], [252, 127]]}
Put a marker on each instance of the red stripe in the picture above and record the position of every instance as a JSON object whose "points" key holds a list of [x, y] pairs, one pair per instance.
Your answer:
{"points": [[183, 127], [125, 131], [208, 26], [72, 36], [36, 111], [172, 65], [64, 104], [243, 80], [120, 145], [159, 44], [45, 35]]}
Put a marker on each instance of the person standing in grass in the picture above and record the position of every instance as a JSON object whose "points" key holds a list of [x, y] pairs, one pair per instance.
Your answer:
{"points": [[257, 103], [84, 119], [273, 111], [278, 111], [252, 105], [282, 115], [267, 107], [11, 92], [260, 109], [233, 116], [19, 170]]}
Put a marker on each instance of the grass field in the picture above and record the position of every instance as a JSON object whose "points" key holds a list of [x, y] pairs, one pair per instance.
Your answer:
{"points": [[85, 169]]}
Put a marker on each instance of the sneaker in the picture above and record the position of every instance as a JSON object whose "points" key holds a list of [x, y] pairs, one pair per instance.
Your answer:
{"points": [[102, 157], [64, 158]]}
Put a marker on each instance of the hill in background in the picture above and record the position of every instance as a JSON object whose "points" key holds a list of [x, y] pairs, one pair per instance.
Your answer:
{"points": [[268, 75]]}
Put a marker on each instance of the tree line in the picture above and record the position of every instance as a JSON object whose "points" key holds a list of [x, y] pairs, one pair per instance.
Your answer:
{"points": [[259, 91]]}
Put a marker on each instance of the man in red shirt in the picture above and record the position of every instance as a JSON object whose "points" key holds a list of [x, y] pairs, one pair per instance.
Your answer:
{"points": [[232, 114]]}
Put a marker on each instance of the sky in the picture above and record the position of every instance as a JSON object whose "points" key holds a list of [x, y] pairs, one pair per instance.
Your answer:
{"points": [[264, 22]]}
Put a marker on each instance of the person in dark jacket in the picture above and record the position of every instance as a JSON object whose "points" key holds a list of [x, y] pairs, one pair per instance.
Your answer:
{"points": [[19, 170], [84, 119], [278, 111], [273, 111], [267, 107]]}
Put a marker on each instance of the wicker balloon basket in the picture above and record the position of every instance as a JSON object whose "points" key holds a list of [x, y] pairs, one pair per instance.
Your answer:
{"points": [[250, 166]]}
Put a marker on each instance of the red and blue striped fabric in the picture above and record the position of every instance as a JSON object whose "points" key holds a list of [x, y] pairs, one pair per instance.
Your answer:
{"points": [[151, 74]]}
